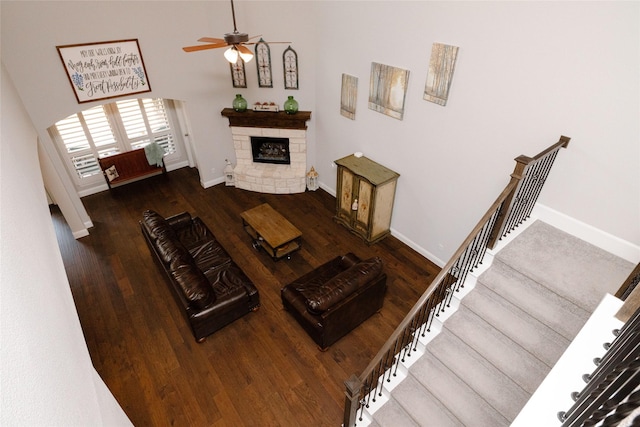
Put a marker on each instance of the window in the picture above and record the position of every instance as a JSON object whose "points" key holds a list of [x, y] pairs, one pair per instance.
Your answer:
{"points": [[113, 128]]}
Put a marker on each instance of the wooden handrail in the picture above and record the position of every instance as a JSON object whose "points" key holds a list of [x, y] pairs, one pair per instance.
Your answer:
{"points": [[518, 195], [513, 217]]}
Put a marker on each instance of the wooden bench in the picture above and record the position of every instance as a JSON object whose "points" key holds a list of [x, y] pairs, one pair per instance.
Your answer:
{"points": [[129, 166]]}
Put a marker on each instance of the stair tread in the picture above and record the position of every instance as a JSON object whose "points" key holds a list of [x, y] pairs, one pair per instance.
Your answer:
{"points": [[495, 387], [421, 405], [573, 268], [392, 414], [455, 394], [535, 337], [555, 311], [521, 366]]}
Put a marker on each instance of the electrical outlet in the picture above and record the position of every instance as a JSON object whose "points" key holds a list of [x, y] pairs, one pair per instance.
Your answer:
{"points": [[333, 164], [213, 170]]}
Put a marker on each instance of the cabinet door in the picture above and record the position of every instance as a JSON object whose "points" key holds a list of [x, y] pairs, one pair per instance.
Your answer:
{"points": [[363, 214], [345, 196]]}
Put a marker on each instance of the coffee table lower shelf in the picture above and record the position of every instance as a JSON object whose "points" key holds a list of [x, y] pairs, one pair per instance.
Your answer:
{"points": [[279, 252]]}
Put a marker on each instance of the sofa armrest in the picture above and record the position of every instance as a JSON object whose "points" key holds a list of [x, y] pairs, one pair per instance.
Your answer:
{"points": [[179, 220], [349, 260]]}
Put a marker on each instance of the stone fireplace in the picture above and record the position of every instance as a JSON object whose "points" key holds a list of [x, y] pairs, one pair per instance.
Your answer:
{"points": [[279, 130]]}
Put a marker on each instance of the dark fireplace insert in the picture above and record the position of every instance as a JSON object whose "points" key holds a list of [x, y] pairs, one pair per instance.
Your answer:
{"points": [[270, 150]]}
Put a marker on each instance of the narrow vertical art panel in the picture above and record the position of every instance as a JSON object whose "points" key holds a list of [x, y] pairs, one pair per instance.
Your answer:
{"points": [[349, 96], [387, 89], [238, 75], [440, 74], [263, 63], [290, 66]]}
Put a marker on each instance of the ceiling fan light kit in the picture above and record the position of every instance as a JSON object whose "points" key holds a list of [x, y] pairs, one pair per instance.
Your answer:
{"points": [[236, 42]]}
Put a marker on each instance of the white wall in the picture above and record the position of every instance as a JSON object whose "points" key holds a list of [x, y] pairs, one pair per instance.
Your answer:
{"points": [[527, 73], [47, 374]]}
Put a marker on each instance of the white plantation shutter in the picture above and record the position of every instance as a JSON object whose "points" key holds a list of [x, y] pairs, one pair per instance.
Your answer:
{"points": [[87, 136], [109, 129], [100, 131], [145, 120]]}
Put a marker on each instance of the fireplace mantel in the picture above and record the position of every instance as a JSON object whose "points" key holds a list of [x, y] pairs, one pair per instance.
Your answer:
{"points": [[266, 119]]}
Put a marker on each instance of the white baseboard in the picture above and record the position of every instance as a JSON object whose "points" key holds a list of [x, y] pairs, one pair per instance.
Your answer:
{"points": [[422, 251], [327, 189], [608, 242], [211, 183], [80, 233]]}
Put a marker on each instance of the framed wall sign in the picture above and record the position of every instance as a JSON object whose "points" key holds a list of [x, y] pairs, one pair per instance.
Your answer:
{"points": [[104, 70], [290, 66]]}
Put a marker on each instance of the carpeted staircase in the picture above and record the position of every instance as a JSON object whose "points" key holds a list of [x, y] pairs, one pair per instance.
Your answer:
{"points": [[493, 352]]}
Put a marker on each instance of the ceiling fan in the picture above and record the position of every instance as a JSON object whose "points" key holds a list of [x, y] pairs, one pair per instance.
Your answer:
{"points": [[236, 41]]}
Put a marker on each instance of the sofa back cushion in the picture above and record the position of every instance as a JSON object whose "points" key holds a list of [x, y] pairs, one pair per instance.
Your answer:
{"points": [[339, 287], [169, 247], [193, 283]]}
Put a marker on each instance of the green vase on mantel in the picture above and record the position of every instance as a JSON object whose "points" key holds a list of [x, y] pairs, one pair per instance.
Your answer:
{"points": [[240, 104], [290, 105]]}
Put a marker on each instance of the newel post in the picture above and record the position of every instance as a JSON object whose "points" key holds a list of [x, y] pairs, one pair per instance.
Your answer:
{"points": [[351, 400], [518, 173]]}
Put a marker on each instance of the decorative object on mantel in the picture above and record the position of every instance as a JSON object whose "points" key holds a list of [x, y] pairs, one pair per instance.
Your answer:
{"points": [[290, 66], [349, 96], [312, 179], [238, 74], [440, 74], [239, 104], [290, 105], [236, 41], [104, 70], [229, 178], [387, 89], [263, 62], [266, 106]]}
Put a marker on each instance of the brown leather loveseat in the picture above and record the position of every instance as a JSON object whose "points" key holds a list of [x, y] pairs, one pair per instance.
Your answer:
{"points": [[209, 287], [334, 298]]}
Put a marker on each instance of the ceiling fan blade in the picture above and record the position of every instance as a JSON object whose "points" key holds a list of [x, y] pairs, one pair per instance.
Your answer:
{"points": [[211, 40], [244, 49], [203, 47]]}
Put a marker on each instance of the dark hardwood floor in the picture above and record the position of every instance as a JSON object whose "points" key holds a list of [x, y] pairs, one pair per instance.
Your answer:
{"points": [[262, 370]]}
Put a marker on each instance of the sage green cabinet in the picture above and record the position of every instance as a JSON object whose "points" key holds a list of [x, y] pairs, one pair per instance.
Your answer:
{"points": [[365, 193]]}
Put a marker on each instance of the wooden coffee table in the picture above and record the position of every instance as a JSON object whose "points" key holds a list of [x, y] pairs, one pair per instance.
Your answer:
{"points": [[271, 231]]}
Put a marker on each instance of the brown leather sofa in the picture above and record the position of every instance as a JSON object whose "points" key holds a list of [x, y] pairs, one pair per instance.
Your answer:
{"points": [[331, 300], [209, 287]]}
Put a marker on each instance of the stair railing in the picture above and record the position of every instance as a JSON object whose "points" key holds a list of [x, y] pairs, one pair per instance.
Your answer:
{"points": [[531, 174], [612, 391], [511, 208]]}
